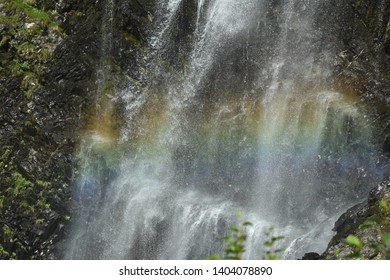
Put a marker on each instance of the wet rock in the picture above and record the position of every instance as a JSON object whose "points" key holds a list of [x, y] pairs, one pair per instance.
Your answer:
{"points": [[368, 222], [380, 192], [351, 219], [38, 132], [311, 256], [386, 145]]}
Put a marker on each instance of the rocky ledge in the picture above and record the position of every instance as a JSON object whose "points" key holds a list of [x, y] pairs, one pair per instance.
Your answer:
{"points": [[363, 231]]}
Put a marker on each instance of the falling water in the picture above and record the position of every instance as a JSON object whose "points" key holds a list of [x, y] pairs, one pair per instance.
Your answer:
{"points": [[250, 122]]}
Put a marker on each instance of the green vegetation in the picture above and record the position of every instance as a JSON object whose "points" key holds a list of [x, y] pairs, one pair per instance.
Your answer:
{"points": [[354, 242], [31, 197], [134, 41], [272, 252], [5, 254], [370, 240], [31, 11], [27, 201], [131, 38], [386, 240], [380, 249], [357, 245], [235, 244], [28, 34]]}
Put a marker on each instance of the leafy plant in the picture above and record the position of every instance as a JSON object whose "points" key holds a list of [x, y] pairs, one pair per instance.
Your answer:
{"points": [[39, 221], [354, 241], [272, 252], [4, 254], [20, 181], [386, 240], [235, 242], [384, 205], [356, 244]]}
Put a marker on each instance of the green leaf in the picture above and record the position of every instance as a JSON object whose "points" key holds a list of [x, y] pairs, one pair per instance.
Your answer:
{"points": [[383, 204], [355, 255], [386, 239], [376, 247], [234, 229], [241, 238], [214, 257], [276, 238], [354, 241]]}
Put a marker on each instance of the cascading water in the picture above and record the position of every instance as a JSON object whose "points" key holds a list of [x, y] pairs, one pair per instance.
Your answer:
{"points": [[249, 122]]}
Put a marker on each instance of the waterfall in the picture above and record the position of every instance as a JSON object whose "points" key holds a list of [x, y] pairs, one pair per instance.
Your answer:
{"points": [[247, 120]]}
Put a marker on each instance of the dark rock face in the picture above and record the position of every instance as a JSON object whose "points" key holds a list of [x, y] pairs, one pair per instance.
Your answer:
{"points": [[351, 219], [38, 135], [359, 32], [311, 256]]}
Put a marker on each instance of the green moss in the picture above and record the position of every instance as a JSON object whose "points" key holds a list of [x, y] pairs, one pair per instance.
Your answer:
{"points": [[367, 224], [25, 37], [357, 4], [143, 71], [9, 21], [45, 53], [108, 87], [131, 38], [6, 153], [4, 40], [20, 181], [30, 81], [42, 184], [354, 241], [26, 46], [27, 208], [27, 123], [25, 198], [7, 231], [28, 93], [15, 68], [384, 205], [42, 203], [31, 11], [39, 221], [20, 188], [3, 253]]}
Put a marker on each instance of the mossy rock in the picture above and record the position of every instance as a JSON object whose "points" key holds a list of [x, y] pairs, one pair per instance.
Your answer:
{"points": [[369, 223]]}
